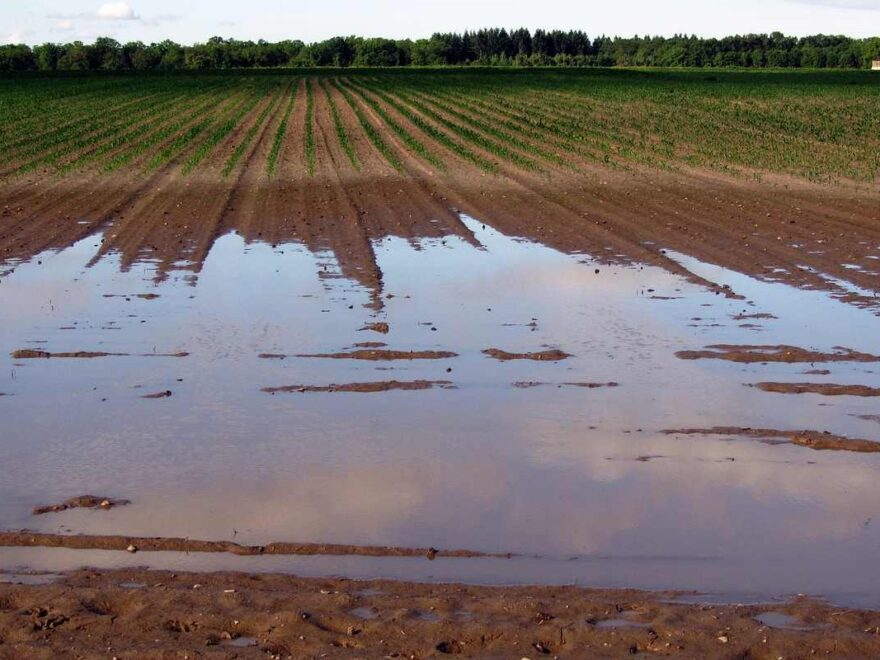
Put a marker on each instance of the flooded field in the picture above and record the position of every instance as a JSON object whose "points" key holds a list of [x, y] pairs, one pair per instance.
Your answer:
{"points": [[608, 425]]}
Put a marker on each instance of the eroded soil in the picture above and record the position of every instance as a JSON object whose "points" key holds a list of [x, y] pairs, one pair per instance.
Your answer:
{"points": [[137, 613]]}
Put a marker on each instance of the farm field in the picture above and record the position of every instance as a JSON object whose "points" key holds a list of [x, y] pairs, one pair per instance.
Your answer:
{"points": [[471, 336]]}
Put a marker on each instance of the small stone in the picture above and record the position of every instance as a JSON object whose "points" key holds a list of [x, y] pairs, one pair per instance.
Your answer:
{"points": [[723, 639], [132, 548]]}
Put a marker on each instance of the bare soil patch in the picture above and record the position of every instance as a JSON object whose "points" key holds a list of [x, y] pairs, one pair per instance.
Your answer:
{"points": [[825, 389], [778, 353]]}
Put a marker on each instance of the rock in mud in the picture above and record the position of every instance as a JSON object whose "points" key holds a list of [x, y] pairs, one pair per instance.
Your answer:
{"points": [[81, 502]]}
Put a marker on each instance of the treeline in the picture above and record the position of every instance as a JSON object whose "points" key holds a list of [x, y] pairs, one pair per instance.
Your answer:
{"points": [[487, 47]]}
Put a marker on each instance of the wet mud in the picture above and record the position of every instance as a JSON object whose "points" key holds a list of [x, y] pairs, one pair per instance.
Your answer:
{"points": [[382, 355], [819, 440], [785, 354], [370, 387], [823, 389], [550, 355], [30, 354], [134, 544], [81, 502], [91, 613]]}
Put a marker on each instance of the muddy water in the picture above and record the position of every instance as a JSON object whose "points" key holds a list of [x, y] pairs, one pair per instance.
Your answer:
{"points": [[580, 480]]}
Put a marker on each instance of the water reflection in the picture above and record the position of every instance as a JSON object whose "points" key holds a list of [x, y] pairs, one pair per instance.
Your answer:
{"points": [[546, 471]]}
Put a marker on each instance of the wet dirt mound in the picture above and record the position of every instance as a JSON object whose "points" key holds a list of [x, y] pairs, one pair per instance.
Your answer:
{"points": [[376, 386], [81, 502], [382, 355], [173, 544], [825, 389], [381, 327], [819, 440], [550, 355], [777, 353], [31, 354]]}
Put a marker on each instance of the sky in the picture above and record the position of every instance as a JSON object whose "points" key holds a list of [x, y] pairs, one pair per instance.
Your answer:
{"points": [[190, 21]]}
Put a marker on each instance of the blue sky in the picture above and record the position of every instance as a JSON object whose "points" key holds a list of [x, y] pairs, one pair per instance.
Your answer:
{"points": [[188, 21]]}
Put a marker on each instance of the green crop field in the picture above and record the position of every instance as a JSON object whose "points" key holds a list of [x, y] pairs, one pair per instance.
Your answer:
{"points": [[820, 126]]}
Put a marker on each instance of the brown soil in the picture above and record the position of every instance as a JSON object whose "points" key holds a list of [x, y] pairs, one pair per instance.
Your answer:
{"points": [[383, 355], [550, 355], [825, 389], [765, 228], [379, 386], [370, 344], [80, 502], [28, 539], [381, 328], [30, 354], [812, 439], [779, 353], [157, 614]]}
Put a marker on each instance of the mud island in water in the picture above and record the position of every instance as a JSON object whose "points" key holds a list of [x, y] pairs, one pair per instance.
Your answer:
{"points": [[562, 314]]}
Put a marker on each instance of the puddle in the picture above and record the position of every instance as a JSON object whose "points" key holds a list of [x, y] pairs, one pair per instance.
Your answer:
{"points": [[365, 613], [132, 585], [782, 622], [32, 579], [241, 642], [482, 464]]}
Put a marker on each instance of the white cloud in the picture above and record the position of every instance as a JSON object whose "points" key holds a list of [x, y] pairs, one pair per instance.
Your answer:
{"points": [[116, 11], [63, 25], [16, 36]]}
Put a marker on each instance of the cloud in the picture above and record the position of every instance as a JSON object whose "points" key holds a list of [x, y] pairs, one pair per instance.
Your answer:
{"points": [[116, 11], [16, 36], [63, 25]]}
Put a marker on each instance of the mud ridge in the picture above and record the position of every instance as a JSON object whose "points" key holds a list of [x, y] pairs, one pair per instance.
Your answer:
{"points": [[81, 502], [778, 353], [173, 544], [819, 440], [30, 354], [377, 386], [382, 355], [825, 389], [550, 355]]}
